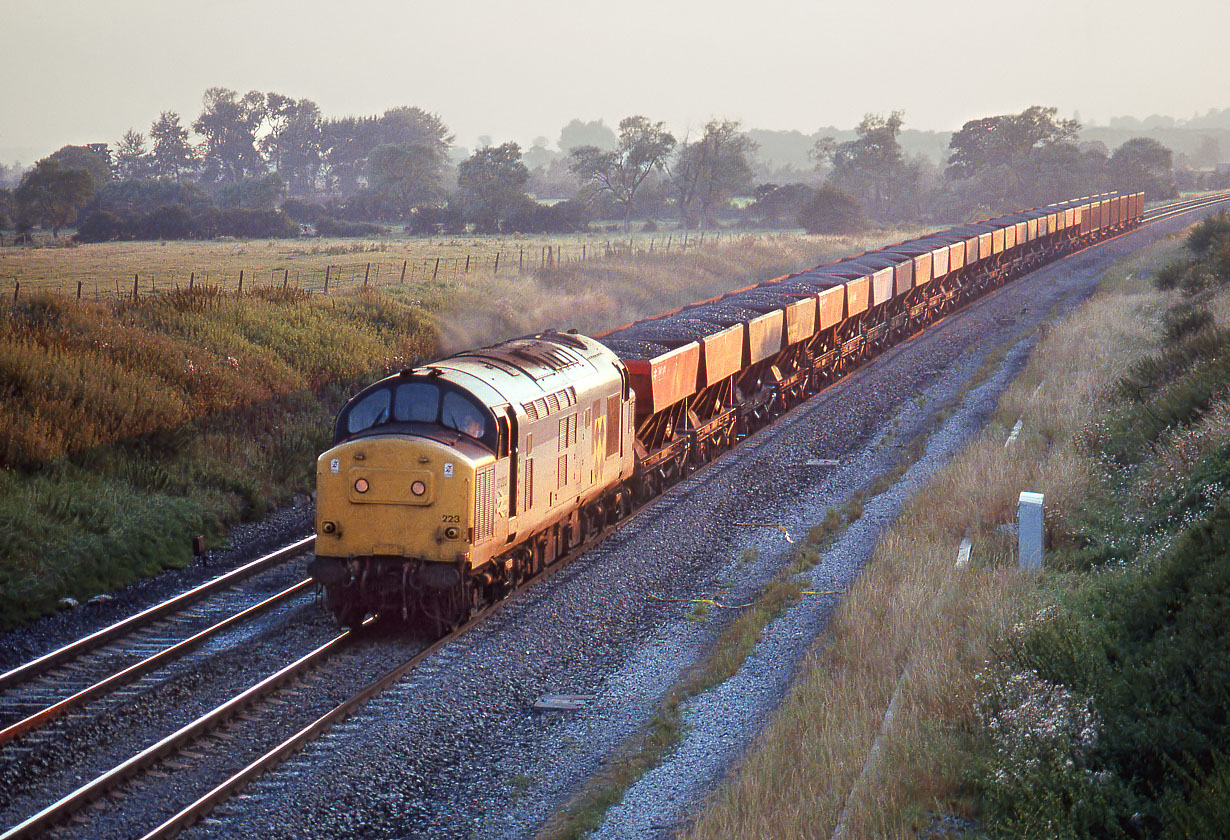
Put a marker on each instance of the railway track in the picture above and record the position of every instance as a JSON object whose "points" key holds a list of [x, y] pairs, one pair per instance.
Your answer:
{"points": [[290, 687], [1178, 208], [119, 661], [286, 687]]}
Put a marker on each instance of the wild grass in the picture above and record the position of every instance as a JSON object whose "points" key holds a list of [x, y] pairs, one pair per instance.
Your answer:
{"points": [[918, 628]]}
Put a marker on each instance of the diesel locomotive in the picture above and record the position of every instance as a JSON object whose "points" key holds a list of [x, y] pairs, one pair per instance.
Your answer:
{"points": [[451, 484]]}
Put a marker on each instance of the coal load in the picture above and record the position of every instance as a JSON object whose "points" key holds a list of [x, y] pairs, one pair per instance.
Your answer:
{"points": [[726, 315], [765, 301], [670, 332], [634, 349]]}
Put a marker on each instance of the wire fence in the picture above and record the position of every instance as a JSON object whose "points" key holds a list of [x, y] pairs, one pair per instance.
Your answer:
{"points": [[338, 277]]}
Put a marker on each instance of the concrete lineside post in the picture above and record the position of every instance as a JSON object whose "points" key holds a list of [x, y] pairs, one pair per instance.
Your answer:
{"points": [[1030, 531]]}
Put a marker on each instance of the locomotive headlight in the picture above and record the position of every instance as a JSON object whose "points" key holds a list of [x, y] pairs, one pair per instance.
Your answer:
{"points": [[418, 488], [361, 485], [452, 533]]}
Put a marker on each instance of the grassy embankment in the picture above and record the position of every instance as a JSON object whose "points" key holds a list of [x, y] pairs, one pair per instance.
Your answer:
{"points": [[128, 426], [1088, 701]]}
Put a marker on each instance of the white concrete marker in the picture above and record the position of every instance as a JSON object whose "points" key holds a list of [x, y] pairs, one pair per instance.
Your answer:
{"points": [[1029, 531]]}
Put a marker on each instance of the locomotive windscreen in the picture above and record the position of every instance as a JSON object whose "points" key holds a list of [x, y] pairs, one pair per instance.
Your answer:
{"points": [[418, 402]]}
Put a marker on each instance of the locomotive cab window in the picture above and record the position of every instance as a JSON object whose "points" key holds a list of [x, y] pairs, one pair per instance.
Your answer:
{"points": [[416, 402], [460, 413], [370, 411], [419, 402]]}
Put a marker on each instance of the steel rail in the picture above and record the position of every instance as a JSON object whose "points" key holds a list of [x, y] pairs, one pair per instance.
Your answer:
{"points": [[150, 663], [49, 660], [82, 796]]}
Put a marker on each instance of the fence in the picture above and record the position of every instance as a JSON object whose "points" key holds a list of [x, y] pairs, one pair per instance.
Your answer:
{"points": [[338, 277]]}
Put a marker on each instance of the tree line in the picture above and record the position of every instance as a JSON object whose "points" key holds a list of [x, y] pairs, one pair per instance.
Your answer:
{"points": [[266, 164]]}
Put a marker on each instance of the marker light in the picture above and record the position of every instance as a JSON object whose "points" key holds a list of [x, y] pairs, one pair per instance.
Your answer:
{"points": [[418, 488], [361, 485]]}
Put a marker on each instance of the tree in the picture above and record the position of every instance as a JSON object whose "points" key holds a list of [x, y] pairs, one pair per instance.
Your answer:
{"points": [[642, 148], [293, 144], [7, 208], [347, 143], [1145, 165], [407, 174], [708, 172], [94, 158], [578, 133], [52, 193], [832, 211], [873, 169], [172, 155], [1007, 139], [777, 204], [131, 157], [229, 125], [415, 127], [491, 184], [261, 193]]}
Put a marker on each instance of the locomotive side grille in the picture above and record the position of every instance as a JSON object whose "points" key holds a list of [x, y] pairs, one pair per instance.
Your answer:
{"points": [[484, 504], [612, 426]]}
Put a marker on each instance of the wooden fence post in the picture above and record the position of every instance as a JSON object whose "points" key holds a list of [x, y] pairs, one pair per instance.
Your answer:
{"points": [[367, 274], [16, 291], [136, 278], [285, 277], [403, 271], [467, 263], [496, 270], [327, 267], [521, 261], [435, 271], [240, 292], [191, 281], [78, 290]]}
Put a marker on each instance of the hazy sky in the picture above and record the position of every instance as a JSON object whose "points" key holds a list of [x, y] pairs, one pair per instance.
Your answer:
{"points": [[77, 72]]}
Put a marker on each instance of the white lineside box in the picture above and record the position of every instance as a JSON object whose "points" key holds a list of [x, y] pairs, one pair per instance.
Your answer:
{"points": [[1030, 531]]}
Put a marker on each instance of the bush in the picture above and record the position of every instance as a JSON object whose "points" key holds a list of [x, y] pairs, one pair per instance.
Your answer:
{"points": [[303, 212], [1204, 235], [168, 222], [1185, 319], [256, 224], [532, 217], [367, 205], [326, 226], [101, 226], [427, 221], [831, 210]]}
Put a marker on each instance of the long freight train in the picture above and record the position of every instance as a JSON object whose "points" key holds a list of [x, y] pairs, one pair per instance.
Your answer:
{"points": [[451, 484]]}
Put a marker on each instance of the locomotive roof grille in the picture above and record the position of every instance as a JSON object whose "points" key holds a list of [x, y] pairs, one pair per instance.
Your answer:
{"points": [[551, 403]]}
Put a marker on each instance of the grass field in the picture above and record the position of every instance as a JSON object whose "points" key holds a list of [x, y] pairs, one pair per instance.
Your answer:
{"points": [[108, 269]]}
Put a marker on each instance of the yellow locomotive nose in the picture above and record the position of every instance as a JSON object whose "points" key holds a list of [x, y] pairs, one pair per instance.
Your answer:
{"points": [[393, 496]]}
